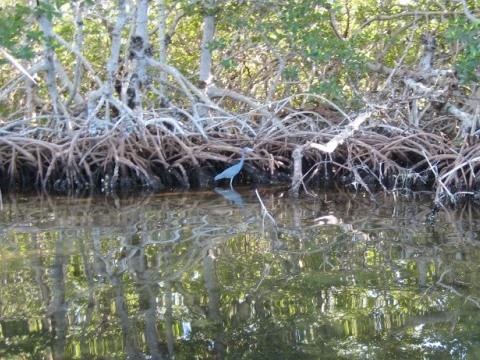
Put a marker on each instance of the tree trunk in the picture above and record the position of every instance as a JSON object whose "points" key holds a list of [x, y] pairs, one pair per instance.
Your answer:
{"points": [[205, 71]]}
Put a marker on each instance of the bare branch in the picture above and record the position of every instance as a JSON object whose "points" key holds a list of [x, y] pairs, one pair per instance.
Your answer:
{"points": [[17, 64], [467, 12]]}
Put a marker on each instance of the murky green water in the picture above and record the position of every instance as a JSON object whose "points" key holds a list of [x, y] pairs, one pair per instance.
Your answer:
{"points": [[215, 276]]}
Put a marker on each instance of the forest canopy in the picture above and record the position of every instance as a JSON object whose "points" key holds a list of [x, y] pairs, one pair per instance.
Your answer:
{"points": [[160, 94]]}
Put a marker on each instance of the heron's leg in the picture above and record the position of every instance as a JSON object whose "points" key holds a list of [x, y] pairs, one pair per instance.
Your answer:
{"points": [[231, 180]]}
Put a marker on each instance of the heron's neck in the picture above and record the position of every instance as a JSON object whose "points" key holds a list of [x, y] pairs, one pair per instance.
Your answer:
{"points": [[242, 159]]}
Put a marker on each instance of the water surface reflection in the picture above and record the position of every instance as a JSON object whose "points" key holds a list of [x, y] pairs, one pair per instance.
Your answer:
{"points": [[237, 276]]}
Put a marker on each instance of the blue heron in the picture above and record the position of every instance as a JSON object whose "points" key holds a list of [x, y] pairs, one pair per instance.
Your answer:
{"points": [[232, 171]]}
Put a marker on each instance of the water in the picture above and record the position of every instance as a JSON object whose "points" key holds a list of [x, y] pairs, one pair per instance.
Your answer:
{"points": [[223, 275]]}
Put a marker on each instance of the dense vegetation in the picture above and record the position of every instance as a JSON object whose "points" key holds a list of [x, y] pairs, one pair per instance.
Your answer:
{"points": [[159, 94]]}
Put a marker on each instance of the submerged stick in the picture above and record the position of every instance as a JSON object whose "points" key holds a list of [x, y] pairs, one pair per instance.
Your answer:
{"points": [[297, 179]]}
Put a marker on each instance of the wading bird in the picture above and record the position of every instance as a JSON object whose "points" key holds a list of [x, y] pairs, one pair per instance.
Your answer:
{"points": [[233, 170]]}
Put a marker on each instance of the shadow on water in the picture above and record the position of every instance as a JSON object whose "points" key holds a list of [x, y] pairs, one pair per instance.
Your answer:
{"points": [[236, 275]]}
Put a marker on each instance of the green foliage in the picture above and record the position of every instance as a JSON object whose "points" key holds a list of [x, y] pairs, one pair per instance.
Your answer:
{"points": [[291, 73], [467, 35], [47, 10], [218, 44], [15, 33], [227, 64], [296, 31], [277, 48]]}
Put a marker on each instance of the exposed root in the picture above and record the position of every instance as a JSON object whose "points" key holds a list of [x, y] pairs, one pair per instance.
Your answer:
{"points": [[172, 148]]}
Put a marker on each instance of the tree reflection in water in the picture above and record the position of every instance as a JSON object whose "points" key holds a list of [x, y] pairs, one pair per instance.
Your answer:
{"points": [[197, 276]]}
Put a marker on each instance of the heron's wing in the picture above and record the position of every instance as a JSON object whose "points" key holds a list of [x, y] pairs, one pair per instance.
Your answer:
{"points": [[229, 173]]}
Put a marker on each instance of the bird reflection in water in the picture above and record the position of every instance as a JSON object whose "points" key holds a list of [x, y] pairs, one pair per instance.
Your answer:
{"points": [[230, 195]]}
